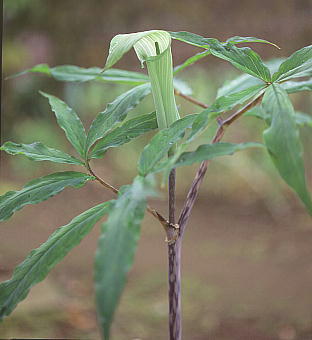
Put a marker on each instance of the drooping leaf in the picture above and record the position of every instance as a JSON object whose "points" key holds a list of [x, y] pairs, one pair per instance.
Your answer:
{"points": [[40, 261], [69, 122], [283, 142], [125, 133], [297, 86], [72, 73], [207, 152], [38, 190], [160, 144], [299, 64], [116, 249], [39, 152], [115, 112]]}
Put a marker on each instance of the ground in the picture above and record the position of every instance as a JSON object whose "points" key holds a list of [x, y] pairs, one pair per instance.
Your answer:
{"points": [[247, 275]]}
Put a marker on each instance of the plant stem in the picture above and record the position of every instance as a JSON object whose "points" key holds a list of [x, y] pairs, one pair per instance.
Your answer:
{"points": [[174, 266], [174, 248], [191, 99], [200, 174], [151, 210]]}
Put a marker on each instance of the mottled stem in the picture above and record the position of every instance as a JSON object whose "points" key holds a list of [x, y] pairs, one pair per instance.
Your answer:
{"points": [[174, 270]]}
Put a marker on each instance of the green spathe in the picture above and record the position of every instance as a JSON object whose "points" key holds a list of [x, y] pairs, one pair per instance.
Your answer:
{"points": [[159, 66]]}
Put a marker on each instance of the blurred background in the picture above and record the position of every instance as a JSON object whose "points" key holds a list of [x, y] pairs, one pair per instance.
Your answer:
{"points": [[247, 270]]}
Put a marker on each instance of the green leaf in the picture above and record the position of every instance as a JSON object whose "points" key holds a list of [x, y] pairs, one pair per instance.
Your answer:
{"points": [[207, 152], [116, 248], [303, 119], [222, 104], [161, 143], [194, 39], [40, 68], [190, 61], [38, 190], [39, 152], [299, 64], [75, 73], [115, 112], [245, 81], [283, 142], [244, 40], [72, 73], [297, 86], [245, 59], [238, 84], [228, 102], [40, 261], [199, 41], [125, 133], [69, 122], [258, 112]]}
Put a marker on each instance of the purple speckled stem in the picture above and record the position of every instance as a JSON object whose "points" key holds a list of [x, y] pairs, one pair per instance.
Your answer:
{"points": [[174, 271]]}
